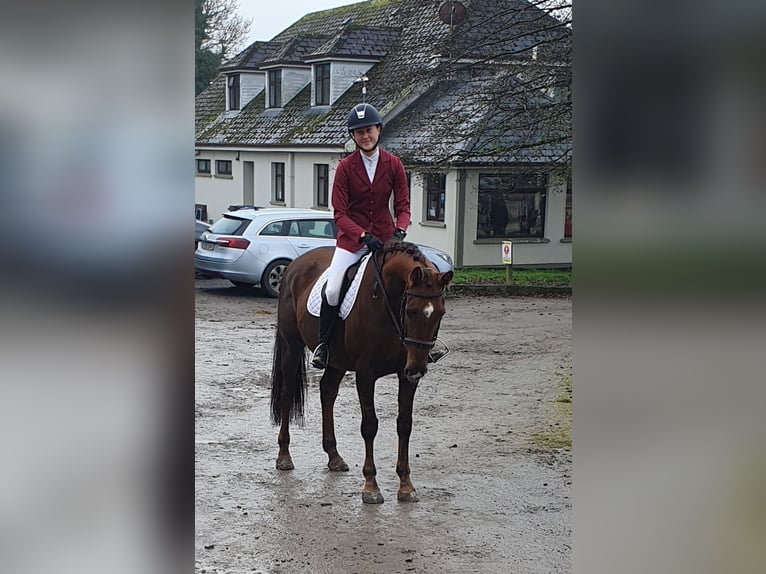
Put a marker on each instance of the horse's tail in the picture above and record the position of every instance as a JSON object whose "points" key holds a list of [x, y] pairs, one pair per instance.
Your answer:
{"points": [[291, 388]]}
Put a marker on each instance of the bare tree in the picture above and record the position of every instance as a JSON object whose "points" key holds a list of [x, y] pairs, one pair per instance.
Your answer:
{"points": [[500, 88], [225, 29]]}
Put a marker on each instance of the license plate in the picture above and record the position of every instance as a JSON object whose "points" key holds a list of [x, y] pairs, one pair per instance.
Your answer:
{"points": [[207, 246]]}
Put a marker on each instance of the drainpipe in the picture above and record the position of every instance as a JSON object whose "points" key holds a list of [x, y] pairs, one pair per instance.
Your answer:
{"points": [[460, 215], [291, 179]]}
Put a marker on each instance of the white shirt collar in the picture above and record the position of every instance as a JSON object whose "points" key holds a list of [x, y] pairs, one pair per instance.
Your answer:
{"points": [[373, 158]]}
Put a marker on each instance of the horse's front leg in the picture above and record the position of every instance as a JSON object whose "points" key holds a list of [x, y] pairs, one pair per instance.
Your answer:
{"points": [[328, 391], [407, 390], [365, 388]]}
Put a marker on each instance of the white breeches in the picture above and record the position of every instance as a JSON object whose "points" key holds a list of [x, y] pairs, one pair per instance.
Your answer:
{"points": [[341, 261]]}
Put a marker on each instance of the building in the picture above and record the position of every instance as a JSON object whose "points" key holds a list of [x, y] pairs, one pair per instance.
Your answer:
{"points": [[474, 97]]}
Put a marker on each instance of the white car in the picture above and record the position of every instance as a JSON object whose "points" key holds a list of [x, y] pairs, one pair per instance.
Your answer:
{"points": [[253, 246]]}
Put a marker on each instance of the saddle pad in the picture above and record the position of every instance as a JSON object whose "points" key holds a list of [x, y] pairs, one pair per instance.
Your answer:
{"points": [[315, 297]]}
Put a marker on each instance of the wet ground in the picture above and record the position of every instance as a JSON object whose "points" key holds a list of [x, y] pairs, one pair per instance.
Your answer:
{"points": [[489, 453]]}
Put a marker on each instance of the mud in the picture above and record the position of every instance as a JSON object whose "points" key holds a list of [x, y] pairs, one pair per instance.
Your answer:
{"points": [[488, 450]]}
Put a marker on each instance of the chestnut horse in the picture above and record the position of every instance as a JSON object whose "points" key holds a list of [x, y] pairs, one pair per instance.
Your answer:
{"points": [[391, 329]]}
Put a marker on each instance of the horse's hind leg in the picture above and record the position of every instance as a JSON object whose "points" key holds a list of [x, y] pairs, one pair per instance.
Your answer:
{"points": [[407, 390], [365, 387], [328, 389], [291, 363]]}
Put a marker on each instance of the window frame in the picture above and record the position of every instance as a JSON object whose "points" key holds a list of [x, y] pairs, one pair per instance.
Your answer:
{"points": [[435, 184], [278, 182], [322, 185], [226, 171], [233, 91], [203, 171], [275, 88], [322, 84], [525, 198]]}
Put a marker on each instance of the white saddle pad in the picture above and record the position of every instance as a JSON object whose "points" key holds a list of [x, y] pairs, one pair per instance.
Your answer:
{"points": [[315, 297]]}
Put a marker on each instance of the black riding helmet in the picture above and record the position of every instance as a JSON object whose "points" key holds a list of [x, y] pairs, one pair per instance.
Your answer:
{"points": [[363, 116]]}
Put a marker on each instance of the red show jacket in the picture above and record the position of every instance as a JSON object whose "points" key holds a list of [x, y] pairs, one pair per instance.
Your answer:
{"points": [[360, 206]]}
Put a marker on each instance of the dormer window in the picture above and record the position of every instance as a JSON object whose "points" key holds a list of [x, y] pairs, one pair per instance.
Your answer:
{"points": [[275, 89], [322, 84], [233, 91]]}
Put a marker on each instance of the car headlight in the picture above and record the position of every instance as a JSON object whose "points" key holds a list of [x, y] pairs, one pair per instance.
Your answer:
{"points": [[446, 258]]}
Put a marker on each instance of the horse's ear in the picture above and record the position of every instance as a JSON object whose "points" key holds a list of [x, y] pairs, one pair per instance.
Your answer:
{"points": [[446, 278], [416, 275]]}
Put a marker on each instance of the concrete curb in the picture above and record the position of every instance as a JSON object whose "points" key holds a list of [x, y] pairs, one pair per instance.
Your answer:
{"points": [[510, 290]]}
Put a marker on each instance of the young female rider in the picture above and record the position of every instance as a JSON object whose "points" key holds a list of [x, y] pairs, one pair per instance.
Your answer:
{"points": [[363, 185]]}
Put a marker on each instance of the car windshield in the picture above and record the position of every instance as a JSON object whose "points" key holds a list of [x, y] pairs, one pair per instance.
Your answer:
{"points": [[229, 225]]}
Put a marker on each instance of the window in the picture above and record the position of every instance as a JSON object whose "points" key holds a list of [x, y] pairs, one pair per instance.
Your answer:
{"points": [[203, 166], [200, 212], [316, 228], [223, 167], [229, 225], [275, 88], [511, 205], [322, 229], [233, 83], [321, 184], [278, 182], [568, 212], [435, 196], [322, 84]]}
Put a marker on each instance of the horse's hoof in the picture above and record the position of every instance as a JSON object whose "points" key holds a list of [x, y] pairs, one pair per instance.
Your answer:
{"points": [[285, 463], [372, 497], [338, 465], [407, 496]]}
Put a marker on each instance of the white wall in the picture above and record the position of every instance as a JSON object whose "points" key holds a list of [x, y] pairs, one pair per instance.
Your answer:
{"points": [[342, 76], [250, 85], [293, 81], [219, 192], [432, 233], [487, 253]]}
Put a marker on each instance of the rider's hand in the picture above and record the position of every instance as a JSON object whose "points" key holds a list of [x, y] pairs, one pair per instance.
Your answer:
{"points": [[372, 242], [400, 234]]}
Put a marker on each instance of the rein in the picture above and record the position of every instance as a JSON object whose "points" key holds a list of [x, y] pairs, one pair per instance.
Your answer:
{"points": [[397, 321]]}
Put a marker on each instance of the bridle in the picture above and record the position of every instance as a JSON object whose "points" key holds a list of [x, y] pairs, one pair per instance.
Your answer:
{"points": [[398, 322]]}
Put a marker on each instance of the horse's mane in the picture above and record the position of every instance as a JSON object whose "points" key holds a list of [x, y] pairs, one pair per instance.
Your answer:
{"points": [[402, 247]]}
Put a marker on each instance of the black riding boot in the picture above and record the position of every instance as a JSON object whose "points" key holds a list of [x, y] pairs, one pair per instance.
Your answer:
{"points": [[327, 315]]}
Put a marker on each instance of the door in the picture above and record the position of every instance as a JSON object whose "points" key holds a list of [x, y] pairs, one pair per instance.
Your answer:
{"points": [[248, 183]]}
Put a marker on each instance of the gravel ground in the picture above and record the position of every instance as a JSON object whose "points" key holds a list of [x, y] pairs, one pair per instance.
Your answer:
{"points": [[489, 450]]}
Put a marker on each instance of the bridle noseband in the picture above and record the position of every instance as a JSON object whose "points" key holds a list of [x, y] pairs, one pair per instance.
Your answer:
{"points": [[399, 322]]}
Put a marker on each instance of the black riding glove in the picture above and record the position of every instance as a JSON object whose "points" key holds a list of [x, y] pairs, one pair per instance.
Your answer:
{"points": [[372, 242], [400, 234]]}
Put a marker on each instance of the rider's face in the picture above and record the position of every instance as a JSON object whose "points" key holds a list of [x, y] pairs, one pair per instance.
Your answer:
{"points": [[366, 138]]}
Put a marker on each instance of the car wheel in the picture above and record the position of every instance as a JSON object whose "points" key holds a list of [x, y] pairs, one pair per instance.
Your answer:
{"points": [[272, 277]]}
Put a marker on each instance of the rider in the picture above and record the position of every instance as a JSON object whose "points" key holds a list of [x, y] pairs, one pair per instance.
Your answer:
{"points": [[364, 182]]}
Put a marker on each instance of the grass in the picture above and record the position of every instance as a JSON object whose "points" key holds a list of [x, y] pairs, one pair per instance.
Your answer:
{"points": [[560, 435], [526, 277]]}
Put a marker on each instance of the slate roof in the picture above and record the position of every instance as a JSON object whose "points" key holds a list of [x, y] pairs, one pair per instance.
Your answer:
{"points": [[293, 51], [410, 91], [358, 42], [251, 57]]}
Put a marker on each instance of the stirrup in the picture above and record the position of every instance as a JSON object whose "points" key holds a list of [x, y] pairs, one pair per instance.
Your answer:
{"points": [[435, 354], [316, 360]]}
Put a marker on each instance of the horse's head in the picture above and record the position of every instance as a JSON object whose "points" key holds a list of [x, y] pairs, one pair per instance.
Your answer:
{"points": [[423, 306]]}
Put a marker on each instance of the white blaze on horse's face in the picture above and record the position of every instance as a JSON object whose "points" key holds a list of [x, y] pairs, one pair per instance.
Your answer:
{"points": [[427, 310]]}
